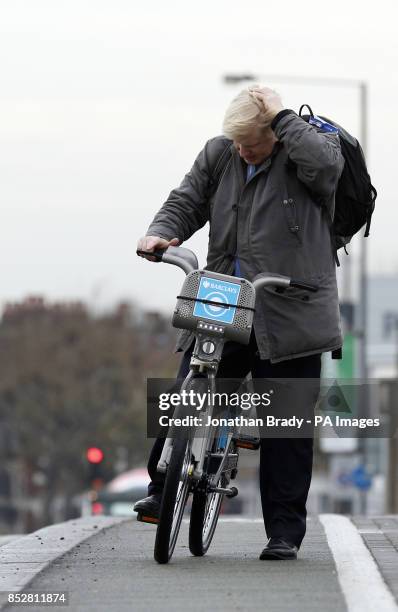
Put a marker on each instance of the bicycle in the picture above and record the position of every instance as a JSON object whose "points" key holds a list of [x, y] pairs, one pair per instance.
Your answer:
{"points": [[216, 308]]}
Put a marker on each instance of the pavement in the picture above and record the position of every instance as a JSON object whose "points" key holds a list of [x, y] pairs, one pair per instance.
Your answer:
{"points": [[9, 538], [106, 564]]}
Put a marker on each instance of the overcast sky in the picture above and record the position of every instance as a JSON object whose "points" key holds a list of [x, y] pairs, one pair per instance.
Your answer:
{"points": [[105, 104]]}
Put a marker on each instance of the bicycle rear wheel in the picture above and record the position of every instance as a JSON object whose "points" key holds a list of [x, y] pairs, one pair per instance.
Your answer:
{"points": [[206, 506], [174, 498], [204, 517]]}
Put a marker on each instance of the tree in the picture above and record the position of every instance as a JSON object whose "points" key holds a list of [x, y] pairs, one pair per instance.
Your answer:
{"points": [[69, 380]]}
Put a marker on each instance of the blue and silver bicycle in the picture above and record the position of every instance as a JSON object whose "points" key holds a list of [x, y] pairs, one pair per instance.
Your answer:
{"points": [[216, 308]]}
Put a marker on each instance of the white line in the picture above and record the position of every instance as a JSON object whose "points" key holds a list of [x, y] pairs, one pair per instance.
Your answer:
{"points": [[361, 582]]}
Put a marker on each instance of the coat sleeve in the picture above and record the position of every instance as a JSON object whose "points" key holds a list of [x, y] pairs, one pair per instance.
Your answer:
{"points": [[316, 154], [186, 209]]}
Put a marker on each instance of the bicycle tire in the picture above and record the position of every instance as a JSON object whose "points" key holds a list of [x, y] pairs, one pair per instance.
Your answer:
{"points": [[169, 520], [204, 517], [205, 511]]}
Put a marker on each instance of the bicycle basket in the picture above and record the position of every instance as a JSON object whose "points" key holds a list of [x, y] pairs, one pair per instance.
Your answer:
{"points": [[217, 304]]}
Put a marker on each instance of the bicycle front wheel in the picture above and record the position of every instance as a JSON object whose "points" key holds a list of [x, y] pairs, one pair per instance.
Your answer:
{"points": [[174, 498]]}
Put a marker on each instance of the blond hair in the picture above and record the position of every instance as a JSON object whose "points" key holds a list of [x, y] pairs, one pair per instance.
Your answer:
{"points": [[244, 114]]}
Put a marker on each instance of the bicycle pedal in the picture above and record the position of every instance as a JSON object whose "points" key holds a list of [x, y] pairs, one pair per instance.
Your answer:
{"points": [[228, 492], [144, 518], [233, 492], [249, 442]]}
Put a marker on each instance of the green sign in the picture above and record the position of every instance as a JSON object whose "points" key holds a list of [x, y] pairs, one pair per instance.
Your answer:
{"points": [[346, 365]]}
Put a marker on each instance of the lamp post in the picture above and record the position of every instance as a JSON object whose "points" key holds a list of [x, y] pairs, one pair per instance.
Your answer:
{"points": [[390, 327]]}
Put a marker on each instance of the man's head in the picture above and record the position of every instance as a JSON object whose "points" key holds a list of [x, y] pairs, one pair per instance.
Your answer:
{"points": [[247, 123]]}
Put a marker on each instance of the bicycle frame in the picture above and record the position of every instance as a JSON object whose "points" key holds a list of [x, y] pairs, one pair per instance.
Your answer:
{"points": [[201, 443]]}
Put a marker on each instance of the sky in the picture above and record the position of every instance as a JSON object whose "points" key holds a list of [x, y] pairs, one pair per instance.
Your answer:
{"points": [[105, 104]]}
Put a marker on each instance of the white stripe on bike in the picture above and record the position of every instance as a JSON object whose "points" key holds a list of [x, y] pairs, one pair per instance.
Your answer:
{"points": [[361, 582]]}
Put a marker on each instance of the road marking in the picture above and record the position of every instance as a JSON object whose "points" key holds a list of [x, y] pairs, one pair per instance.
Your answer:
{"points": [[361, 582]]}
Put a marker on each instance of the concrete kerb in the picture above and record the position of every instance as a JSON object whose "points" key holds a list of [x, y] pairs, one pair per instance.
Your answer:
{"points": [[6, 539], [22, 559]]}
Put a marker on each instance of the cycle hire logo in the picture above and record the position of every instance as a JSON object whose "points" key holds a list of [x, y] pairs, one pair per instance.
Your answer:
{"points": [[220, 292]]}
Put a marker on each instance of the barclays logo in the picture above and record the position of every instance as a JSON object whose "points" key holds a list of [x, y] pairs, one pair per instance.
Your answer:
{"points": [[212, 285]]}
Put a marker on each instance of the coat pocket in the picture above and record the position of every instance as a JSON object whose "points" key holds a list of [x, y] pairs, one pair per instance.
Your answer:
{"points": [[293, 293], [298, 321], [291, 217]]}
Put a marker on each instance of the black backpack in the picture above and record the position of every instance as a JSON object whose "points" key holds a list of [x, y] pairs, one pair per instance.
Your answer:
{"points": [[355, 195]]}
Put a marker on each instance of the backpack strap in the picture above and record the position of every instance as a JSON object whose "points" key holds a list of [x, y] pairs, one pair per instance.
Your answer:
{"points": [[305, 106], [220, 166], [332, 235], [370, 211]]}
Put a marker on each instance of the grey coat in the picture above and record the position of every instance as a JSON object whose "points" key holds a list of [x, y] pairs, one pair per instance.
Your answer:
{"points": [[277, 222]]}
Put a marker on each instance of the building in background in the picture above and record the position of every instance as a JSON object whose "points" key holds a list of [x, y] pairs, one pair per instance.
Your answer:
{"points": [[360, 475], [383, 326]]}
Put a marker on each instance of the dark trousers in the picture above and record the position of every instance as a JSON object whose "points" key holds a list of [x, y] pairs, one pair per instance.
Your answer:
{"points": [[285, 463]]}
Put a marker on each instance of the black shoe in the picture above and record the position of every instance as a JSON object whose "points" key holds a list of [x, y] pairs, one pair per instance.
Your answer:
{"points": [[148, 508], [279, 549]]}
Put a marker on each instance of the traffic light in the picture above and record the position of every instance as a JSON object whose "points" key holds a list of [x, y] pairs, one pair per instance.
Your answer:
{"points": [[95, 457]]}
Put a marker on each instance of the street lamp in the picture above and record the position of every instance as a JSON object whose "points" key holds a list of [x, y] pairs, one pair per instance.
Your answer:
{"points": [[362, 312]]}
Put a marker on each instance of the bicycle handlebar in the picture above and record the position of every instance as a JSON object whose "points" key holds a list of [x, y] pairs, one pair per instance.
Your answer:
{"points": [[277, 280], [302, 285], [187, 261], [178, 256], [157, 254]]}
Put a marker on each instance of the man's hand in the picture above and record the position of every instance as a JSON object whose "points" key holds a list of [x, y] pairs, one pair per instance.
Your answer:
{"points": [[150, 243], [269, 100]]}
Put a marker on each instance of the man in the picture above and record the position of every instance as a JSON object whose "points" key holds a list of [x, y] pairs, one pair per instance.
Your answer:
{"points": [[269, 211]]}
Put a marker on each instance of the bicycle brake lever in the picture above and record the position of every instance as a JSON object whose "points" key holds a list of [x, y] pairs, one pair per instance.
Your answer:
{"points": [[302, 285]]}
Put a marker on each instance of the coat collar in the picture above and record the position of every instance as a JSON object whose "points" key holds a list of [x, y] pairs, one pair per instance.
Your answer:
{"points": [[241, 165]]}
